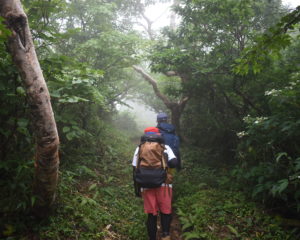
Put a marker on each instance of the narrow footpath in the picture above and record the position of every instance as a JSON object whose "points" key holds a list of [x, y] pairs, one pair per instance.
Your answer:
{"points": [[175, 229]]}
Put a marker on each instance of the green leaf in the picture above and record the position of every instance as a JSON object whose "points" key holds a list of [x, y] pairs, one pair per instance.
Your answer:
{"points": [[84, 201], [233, 230], [20, 91], [283, 184], [70, 136], [23, 122], [297, 164], [66, 129], [55, 94], [191, 235], [110, 179], [93, 186], [33, 200], [186, 225], [280, 155]]}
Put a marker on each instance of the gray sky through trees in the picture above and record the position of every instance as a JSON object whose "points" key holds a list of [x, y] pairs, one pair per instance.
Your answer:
{"points": [[160, 12], [142, 115]]}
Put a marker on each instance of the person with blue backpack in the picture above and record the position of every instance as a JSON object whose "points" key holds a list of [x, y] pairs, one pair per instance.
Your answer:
{"points": [[168, 132]]}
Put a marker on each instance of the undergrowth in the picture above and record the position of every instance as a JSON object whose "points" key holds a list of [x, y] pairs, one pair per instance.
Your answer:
{"points": [[95, 200], [209, 208]]}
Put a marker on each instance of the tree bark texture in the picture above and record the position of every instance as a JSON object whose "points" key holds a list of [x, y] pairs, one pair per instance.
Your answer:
{"points": [[176, 108], [47, 141]]}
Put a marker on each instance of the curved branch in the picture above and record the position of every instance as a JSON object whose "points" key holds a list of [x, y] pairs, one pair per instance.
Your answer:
{"points": [[153, 82], [149, 26], [183, 102]]}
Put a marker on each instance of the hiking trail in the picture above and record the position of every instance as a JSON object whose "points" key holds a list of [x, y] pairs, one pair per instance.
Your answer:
{"points": [[175, 230]]}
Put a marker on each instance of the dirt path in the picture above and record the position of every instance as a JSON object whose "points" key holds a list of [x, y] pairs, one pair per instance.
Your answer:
{"points": [[175, 229]]}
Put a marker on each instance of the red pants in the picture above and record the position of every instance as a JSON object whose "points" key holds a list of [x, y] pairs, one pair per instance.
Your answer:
{"points": [[158, 199]]}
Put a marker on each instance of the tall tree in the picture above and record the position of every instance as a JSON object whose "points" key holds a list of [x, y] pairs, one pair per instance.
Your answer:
{"points": [[211, 35], [47, 142], [176, 107]]}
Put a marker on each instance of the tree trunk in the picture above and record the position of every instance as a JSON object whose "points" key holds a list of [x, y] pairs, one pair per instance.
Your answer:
{"points": [[175, 117], [173, 15], [47, 142]]}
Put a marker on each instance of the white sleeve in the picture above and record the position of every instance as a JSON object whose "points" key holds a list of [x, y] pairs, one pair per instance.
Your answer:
{"points": [[170, 153], [135, 157]]}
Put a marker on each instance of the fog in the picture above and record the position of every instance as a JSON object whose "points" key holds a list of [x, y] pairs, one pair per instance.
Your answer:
{"points": [[142, 115]]}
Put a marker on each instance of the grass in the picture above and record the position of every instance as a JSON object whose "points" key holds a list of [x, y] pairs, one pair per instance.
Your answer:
{"points": [[209, 209]]}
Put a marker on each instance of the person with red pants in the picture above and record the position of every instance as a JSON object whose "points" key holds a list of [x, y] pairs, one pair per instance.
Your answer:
{"points": [[158, 200]]}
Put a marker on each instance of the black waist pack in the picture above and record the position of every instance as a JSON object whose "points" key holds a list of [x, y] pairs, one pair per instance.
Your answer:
{"points": [[150, 177]]}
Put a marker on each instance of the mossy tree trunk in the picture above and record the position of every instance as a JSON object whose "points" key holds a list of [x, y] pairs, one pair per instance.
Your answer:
{"points": [[21, 47]]}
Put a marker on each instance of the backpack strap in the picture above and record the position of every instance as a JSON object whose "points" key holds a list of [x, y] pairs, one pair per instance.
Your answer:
{"points": [[163, 160], [138, 164]]}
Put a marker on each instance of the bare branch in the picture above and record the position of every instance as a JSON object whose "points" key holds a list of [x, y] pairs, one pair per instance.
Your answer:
{"points": [[153, 82], [149, 26]]}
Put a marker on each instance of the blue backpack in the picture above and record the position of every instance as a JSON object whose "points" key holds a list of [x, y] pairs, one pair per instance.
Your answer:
{"points": [[168, 132]]}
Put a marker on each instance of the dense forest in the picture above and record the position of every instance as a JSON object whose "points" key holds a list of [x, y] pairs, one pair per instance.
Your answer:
{"points": [[227, 72]]}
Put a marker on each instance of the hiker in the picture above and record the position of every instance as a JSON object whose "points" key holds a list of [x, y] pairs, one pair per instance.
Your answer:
{"points": [[168, 132], [151, 160]]}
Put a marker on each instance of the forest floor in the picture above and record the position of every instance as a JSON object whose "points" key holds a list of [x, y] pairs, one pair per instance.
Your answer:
{"points": [[209, 208], [176, 228], [96, 201]]}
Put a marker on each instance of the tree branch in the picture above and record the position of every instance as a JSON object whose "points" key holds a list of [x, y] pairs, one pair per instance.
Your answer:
{"points": [[183, 101], [149, 26], [153, 82]]}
